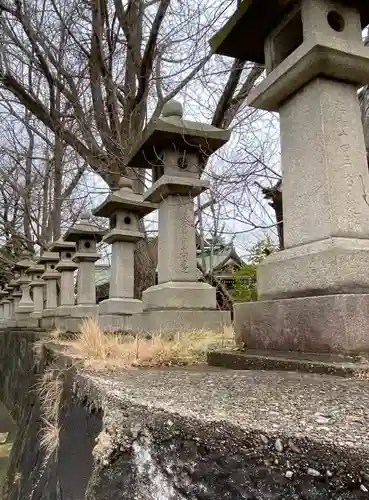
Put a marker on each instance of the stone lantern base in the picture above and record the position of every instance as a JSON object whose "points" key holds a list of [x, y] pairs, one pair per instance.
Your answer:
{"points": [[78, 313], [173, 321], [121, 323], [23, 317], [25, 321], [115, 314], [174, 307], [62, 313], [48, 318], [322, 324]]}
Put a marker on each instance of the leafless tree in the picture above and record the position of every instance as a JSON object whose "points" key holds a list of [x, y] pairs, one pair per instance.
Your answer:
{"points": [[104, 68], [38, 182]]}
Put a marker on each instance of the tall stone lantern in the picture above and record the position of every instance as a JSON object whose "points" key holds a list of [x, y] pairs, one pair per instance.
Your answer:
{"points": [[175, 150], [13, 288], [85, 234], [16, 295], [37, 286], [25, 305], [124, 208], [314, 295], [51, 277], [6, 307], [3, 294], [66, 267]]}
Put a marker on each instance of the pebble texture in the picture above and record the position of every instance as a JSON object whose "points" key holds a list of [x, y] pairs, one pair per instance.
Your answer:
{"points": [[256, 435]]}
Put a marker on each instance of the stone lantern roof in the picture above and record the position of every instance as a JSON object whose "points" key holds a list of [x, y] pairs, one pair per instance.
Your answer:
{"points": [[85, 228], [35, 268], [13, 283], [48, 257], [60, 245], [124, 199], [33, 271], [171, 129], [10, 286], [243, 35], [25, 262]]}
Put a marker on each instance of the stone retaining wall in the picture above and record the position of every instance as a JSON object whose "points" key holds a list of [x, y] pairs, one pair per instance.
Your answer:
{"points": [[134, 436]]}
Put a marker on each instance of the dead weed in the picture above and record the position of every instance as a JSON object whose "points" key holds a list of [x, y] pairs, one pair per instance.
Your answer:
{"points": [[99, 350]]}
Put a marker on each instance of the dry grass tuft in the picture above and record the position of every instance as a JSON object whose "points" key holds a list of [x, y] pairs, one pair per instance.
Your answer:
{"points": [[99, 350], [362, 375], [50, 438], [50, 390]]}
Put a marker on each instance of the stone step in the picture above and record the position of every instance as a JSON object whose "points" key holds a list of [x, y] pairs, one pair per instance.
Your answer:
{"points": [[330, 364]]}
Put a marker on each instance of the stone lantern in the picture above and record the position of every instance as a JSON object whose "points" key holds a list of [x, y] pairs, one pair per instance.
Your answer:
{"points": [[6, 307], [51, 276], [175, 150], [86, 235], [16, 294], [124, 208], [37, 286], [314, 295], [12, 288], [3, 294], [14, 297], [25, 305], [66, 267]]}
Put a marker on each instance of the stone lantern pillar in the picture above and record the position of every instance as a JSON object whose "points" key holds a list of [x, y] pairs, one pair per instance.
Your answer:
{"points": [[12, 288], [6, 304], [66, 267], [17, 295], [314, 295], [3, 294], [124, 208], [51, 276], [86, 235], [25, 304], [175, 149], [37, 286]]}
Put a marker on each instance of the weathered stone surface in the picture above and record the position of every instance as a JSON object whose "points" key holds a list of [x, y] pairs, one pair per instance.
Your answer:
{"points": [[115, 322], [324, 118], [173, 321], [329, 323], [180, 434], [330, 266], [262, 359], [180, 295], [177, 243], [120, 306]]}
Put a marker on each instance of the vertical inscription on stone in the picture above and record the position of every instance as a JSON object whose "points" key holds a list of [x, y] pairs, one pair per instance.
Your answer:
{"points": [[345, 149], [183, 235]]}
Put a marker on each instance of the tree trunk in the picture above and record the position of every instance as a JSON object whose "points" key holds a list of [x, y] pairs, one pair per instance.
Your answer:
{"points": [[274, 194], [58, 173]]}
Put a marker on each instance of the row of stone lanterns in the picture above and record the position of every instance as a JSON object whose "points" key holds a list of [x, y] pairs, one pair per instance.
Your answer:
{"points": [[175, 150]]}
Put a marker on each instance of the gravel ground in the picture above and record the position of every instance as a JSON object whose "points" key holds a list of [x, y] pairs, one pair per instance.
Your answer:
{"points": [[325, 409]]}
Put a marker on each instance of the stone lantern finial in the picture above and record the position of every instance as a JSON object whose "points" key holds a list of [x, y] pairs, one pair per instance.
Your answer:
{"points": [[125, 183], [172, 109], [85, 216]]}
